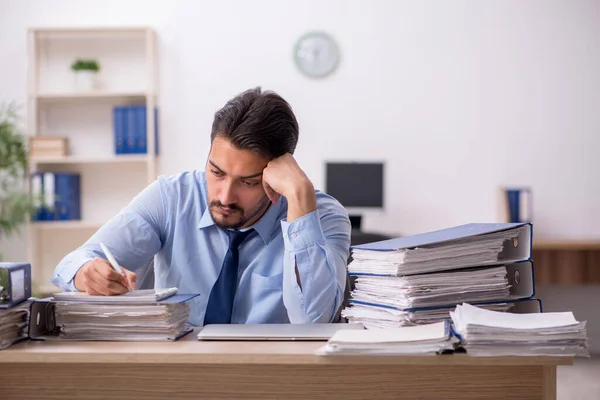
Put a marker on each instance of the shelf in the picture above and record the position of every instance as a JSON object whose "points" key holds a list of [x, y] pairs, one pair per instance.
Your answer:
{"points": [[557, 244], [114, 159], [56, 225], [86, 30], [66, 96]]}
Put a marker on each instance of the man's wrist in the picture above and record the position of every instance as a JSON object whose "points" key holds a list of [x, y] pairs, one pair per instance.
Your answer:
{"points": [[301, 200]]}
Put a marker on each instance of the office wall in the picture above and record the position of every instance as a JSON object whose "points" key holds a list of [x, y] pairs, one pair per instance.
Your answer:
{"points": [[457, 97]]}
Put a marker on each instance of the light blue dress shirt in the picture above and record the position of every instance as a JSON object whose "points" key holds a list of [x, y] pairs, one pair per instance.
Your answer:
{"points": [[170, 221]]}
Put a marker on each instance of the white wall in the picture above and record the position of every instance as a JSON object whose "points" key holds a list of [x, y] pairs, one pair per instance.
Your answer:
{"points": [[457, 97]]}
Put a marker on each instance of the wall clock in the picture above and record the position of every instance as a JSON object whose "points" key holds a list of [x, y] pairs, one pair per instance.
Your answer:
{"points": [[316, 54]]}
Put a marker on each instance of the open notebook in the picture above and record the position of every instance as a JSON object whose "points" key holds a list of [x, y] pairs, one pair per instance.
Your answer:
{"points": [[142, 296]]}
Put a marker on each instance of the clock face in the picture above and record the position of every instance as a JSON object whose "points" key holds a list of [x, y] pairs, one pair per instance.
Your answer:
{"points": [[316, 54]]}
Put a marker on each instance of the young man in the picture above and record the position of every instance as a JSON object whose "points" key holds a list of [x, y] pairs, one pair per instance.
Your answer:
{"points": [[250, 234]]}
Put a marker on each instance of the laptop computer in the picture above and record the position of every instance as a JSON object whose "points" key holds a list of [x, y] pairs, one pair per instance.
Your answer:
{"points": [[280, 332]]}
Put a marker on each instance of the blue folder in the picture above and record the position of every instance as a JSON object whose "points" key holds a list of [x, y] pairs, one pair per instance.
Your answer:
{"points": [[519, 250]]}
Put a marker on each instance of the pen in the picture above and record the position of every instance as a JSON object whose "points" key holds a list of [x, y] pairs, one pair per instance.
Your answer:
{"points": [[113, 263]]}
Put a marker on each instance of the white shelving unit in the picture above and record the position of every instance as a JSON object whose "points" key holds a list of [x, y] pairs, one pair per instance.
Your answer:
{"points": [[128, 76]]}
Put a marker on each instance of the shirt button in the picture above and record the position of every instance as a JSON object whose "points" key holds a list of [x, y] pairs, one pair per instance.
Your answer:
{"points": [[294, 236]]}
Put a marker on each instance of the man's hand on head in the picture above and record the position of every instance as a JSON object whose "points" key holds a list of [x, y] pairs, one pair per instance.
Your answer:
{"points": [[97, 277], [284, 177]]}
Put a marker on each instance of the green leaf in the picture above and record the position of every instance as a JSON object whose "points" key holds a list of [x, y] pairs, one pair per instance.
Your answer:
{"points": [[15, 204]]}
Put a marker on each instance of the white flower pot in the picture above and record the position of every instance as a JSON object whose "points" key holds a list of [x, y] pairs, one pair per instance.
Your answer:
{"points": [[86, 81]]}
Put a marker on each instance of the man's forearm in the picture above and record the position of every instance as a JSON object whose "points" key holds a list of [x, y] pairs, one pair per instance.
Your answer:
{"points": [[314, 268]]}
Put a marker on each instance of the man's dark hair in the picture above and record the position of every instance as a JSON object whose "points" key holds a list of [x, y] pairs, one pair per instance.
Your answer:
{"points": [[261, 121]]}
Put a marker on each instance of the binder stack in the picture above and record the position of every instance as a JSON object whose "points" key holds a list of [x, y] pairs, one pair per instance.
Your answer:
{"points": [[14, 307], [420, 279], [140, 315]]}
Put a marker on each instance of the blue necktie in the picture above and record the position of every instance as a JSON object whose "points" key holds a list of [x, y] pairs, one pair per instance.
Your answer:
{"points": [[220, 302]]}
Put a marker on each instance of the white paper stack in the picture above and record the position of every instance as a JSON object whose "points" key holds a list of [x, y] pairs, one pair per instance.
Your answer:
{"points": [[445, 256], [136, 296], [134, 316], [433, 290], [14, 324], [489, 333], [414, 341], [121, 322], [383, 317]]}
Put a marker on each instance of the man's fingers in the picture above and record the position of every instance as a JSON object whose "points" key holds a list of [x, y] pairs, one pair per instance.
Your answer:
{"points": [[130, 279], [271, 194], [100, 284], [108, 273]]}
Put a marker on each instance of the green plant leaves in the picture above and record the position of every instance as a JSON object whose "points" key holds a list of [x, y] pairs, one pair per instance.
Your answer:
{"points": [[15, 203], [85, 65]]}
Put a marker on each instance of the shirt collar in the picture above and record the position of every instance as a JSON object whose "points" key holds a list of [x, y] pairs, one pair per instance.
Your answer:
{"points": [[264, 226]]}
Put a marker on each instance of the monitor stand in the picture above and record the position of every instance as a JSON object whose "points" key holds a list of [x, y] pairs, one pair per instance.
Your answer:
{"points": [[358, 236], [356, 222]]}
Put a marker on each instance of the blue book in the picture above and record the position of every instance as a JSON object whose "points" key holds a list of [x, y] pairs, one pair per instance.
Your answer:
{"points": [[68, 196], [130, 131], [142, 130], [49, 197], [141, 135], [62, 201], [118, 128], [36, 190]]}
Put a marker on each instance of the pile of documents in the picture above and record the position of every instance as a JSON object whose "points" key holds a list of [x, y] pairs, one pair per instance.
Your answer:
{"points": [[419, 279], [421, 340], [14, 323], [489, 333], [472, 251], [141, 315], [433, 290], [388, 317]]}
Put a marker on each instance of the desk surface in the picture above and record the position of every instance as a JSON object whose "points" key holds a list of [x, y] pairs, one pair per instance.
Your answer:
{"points": [[191, 351]]}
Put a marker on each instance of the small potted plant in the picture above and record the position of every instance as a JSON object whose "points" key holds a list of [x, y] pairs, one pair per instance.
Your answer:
{"points": [[86, 72]]}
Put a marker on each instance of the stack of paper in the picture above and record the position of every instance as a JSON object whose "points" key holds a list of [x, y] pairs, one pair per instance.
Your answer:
{"points": [[438, 257], [489, 333], [415, 340], [385, 317], [14, 322], [136, 296], [433, 290], [134, 316]]}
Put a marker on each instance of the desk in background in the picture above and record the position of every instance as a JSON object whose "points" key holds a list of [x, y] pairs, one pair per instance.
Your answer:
{"points": [[566, 262], [190, 369]]}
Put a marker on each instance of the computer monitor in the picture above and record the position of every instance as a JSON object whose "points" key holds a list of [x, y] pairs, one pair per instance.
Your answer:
{"points": [[358, 186]]}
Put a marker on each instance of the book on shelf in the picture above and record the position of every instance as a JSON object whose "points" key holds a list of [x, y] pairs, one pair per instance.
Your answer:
{"points": [[47, 146], [56, 196], [130, 129]]}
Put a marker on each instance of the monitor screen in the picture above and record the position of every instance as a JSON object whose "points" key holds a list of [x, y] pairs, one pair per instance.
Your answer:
{"points": [[355, 184]]}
